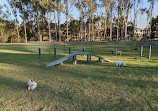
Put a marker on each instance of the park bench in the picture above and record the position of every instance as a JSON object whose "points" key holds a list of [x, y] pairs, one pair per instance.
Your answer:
{"points": [[116, 52]]}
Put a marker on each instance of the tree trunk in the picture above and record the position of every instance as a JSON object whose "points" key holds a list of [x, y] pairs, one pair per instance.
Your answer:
{"points": [[17, 27], [126, 31], [105, 35], [151, 18], [89, 31], [147, 28], [39, 38], [42, 27], [48, 25], [59, 35], [118, 24], [92, 29], [118, 29], [81, 25], [122, 30], [98, 36], [111, 27], [111, 31], [85, 33], [24, 22], [67, 17], [55, 28]]}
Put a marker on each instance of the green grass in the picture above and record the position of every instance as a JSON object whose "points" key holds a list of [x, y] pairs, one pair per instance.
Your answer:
{"points": [[82, 87]]}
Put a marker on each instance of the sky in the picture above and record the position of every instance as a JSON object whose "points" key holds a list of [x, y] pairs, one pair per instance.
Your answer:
{"points": [[141, 19]]}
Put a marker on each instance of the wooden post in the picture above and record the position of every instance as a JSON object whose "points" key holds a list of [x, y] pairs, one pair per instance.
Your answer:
{"points": [[64, 46], [102, 60], [75, 61], [83, 49], [54, 52], [61, 63], [149, 51], [39, 53], [90, 58], [69, 50], [141, 53], [87, 58]]}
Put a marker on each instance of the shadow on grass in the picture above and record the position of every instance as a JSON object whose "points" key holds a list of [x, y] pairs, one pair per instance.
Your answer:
{"points": [[13, 84], [114, 78], [31, 60]]}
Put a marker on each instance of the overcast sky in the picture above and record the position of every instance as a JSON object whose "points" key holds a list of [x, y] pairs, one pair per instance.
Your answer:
{"points": [[141, 19]]}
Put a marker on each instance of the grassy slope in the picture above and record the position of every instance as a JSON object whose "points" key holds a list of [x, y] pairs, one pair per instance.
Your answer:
{"points": [[85, 86]]}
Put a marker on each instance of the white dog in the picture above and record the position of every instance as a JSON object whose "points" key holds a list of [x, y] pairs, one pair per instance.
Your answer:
{"points": [[120, 63], [31, 85]]}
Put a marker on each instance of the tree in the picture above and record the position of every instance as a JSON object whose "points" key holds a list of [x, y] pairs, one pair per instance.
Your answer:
{"points": [[22, 9], [14, 9], [81, 19], [148, 15], [152, 2], [125, 8], [47, 4], [67, 17], [36, 6], [7, 26], [136, 10], [92, 8], [60, 7], [154, 27], [107, 4], [74, 26]]}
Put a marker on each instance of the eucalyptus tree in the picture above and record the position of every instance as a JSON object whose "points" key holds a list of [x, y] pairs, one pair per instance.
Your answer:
{"points": [[136, 8], [67, 17], [67, 7], [152, 3], [145, 10], [126, 6], [23, 10], [111, 21], [59, 8], [47, 4], [42, 15], [118, 21], [107, 4], [97, 20], [92, 8], [14, 9], [79, 5], [37, 7], [7, 26]]}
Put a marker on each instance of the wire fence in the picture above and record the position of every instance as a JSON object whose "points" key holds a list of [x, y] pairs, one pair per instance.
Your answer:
{"points": [[128, 48]]}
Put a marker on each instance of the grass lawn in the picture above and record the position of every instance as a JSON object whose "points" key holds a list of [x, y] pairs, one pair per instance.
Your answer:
{"points": [[82, 87]]}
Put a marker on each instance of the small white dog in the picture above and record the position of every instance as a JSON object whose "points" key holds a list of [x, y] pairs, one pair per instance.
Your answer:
{"points": [[120, 63], [31, 85]]}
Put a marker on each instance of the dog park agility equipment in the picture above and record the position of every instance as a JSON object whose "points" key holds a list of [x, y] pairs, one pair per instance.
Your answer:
{"points": [[141, 54], [116, 52], [73, 55]]}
